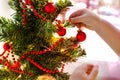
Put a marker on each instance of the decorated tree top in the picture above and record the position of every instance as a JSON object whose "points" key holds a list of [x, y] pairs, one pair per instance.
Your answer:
{"points": [[31, 51]]}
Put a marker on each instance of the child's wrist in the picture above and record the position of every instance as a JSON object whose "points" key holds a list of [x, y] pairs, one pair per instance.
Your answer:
{"points": [[99, 24]]}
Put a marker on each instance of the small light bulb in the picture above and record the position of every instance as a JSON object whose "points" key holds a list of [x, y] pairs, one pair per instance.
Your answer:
{"points": [[50, 0], [62, 50]]}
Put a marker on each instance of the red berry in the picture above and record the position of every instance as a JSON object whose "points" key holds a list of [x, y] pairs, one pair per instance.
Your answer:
{"points": [[6, 46], [75, 46], [28, 1], [16, 65], [81, 36], [61, 31], [49, 8]]}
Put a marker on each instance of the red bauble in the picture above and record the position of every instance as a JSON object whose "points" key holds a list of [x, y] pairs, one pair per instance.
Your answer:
{"points": [[81, 36], [61, 31], [6, 46], [49, 8]]}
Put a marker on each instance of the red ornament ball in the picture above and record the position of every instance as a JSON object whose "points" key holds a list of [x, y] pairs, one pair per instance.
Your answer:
{"points": [[81, 36], [49, 8], [61, 31], [6, 46]]}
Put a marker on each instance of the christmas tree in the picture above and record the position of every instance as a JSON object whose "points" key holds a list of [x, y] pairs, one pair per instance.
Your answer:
{"points": [[31, 51]]}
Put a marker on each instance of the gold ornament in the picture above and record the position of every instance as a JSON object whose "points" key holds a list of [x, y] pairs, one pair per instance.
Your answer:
{"points": [[46, 77]]}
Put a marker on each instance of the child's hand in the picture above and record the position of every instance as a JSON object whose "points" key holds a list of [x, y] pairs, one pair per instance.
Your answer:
{"points": [[86, 18]]}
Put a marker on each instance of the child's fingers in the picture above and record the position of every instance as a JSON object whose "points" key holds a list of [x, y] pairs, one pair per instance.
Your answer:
{"points": [[93, 73]]}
